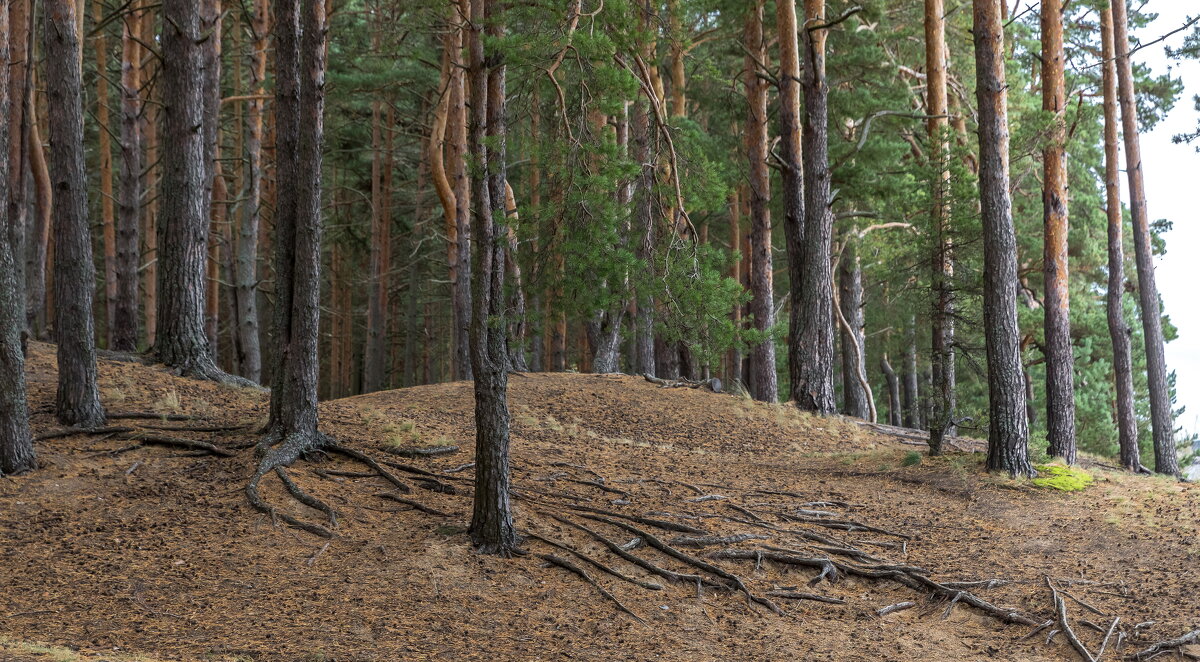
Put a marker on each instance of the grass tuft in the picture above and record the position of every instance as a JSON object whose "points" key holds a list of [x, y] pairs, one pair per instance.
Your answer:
{"points": [[1063, 478]]}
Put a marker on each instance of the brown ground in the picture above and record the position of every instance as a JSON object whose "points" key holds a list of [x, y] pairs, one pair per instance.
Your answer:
{"points": [[150, 554]]}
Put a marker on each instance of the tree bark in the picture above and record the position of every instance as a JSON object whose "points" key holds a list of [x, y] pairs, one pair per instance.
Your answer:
{"points": [[247, 347], [517, 324], [183, 229], [104, 143], [811, 348], [1118, 330], [125, 324], [893, 388], [853, 341], [764, 384], [374, 363], [1060, 362], [492, 530], [735, 246], [942, 398], [1008, 434], [78, 401], [909, 376], [150, 115], [38, 242], [16, 441], [1166, 459]]}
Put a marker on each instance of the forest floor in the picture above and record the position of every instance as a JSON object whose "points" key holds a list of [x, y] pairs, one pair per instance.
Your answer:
{"points": [[118, 550]]}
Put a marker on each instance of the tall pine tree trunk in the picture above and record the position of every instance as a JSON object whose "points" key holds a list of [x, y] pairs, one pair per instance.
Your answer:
{"points": [[1060, 362], [850, 298], [374, 363], [811, 349], [124, 335], [1008, 434], [1118, 330], [492, 530], [764, 383], [104, 143], [78, 401], [1166, 460], [16, 442]]}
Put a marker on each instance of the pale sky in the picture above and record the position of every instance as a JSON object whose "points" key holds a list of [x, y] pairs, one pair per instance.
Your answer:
{"points": [[1173, 193]]}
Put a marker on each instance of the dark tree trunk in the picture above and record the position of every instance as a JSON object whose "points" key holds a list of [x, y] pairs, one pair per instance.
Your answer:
{"points": [[853, 342], [181, 341], [1060, 362], [78, 401], [1166, 460], [643, 213], [1118, 330], [1008, 435], [764, 383], [893, 389], [129, 199], [492, 530], [20, 27], [374, 363], [16, 442], [909, 376], [811, 349]]}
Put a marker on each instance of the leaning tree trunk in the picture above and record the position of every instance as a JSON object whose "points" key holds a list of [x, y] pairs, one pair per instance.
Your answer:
{"points": [[181, 341], [764, 384], [1118, 330], [942, 398], [1008, 434], [78, 401], [16, 442], [853, 339], [492, 530], [124, 335], [1166, 460], [893, 388], [1060, 363], [811, 350]]}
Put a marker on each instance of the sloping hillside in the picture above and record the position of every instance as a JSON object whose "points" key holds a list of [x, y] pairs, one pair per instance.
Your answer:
{"points": [[117, 548]]}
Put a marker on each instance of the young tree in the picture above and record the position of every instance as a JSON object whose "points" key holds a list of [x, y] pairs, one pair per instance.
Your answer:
{"points": [[1118, 330], [16, 442], [183, 228], [492, 530], [763, 379], [78, 401], [1060, 362], [1165, 457], [1008, 434], [810, 353]]}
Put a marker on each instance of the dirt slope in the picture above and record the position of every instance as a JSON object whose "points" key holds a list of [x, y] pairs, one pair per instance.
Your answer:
{"points": [[114, 549]]}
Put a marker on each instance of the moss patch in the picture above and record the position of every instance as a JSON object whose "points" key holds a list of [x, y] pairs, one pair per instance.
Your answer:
{"points": [[1063, 478]]}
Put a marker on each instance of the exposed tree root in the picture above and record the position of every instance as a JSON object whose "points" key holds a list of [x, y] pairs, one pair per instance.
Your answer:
{"points": [[843, 525], [178, 442], [793, 595], [417, 505], [891, 609], [656, 523], [431, 451], [600, 566], [197, 428], [567, 565], [709, 541], [305, 498], [1060, 610], [1177, 643], [71, 432], [284, 455], [150, 416], [370, 462]]}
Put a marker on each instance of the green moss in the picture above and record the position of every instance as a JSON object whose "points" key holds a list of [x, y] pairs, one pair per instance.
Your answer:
{"points": [[911, 459], [1059, 477]]}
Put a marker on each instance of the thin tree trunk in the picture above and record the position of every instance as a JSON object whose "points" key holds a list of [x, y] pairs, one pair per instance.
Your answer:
{"points": [[1166, 460], [1118, 330], [763, 379], [942, 398], [21, 37], [853, 340], [735, 245], [1060, 363], [516, 328], [1008, 435], [457, 135], [16, 441], [104, 140], [908, 376], [38, 243], [247, 349], [124, 337], [492, 530], [78, 401], [893, 388], [212, 294], [151, 114], [374, 363], [811, 349]]}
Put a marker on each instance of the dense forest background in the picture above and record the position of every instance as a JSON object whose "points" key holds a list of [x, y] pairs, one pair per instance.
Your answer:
{"points": [[633, 194]]}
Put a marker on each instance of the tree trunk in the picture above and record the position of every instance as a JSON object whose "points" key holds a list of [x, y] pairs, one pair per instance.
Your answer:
{"points": [[21, 37], [182, 343], [942, 397], [104, 143], [811, 347], [16, 441], [735, 246], [764, 383], [38, 242], [1008, 435], [1166, 460], [374, 363], [1118, 330], [516, 327], [492, 530], [125, 324], [893, 388], [150, 115], [912, 406], [1060, 363], [212, 294], [247, 348], [457, 136], [78, 401], [853, 341]]}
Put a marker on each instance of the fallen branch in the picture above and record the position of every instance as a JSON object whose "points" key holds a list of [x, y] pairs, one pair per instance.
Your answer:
{"points": [[793, 595], [424, 451], [890, 609], [1060, 609], [1170, 644]]}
